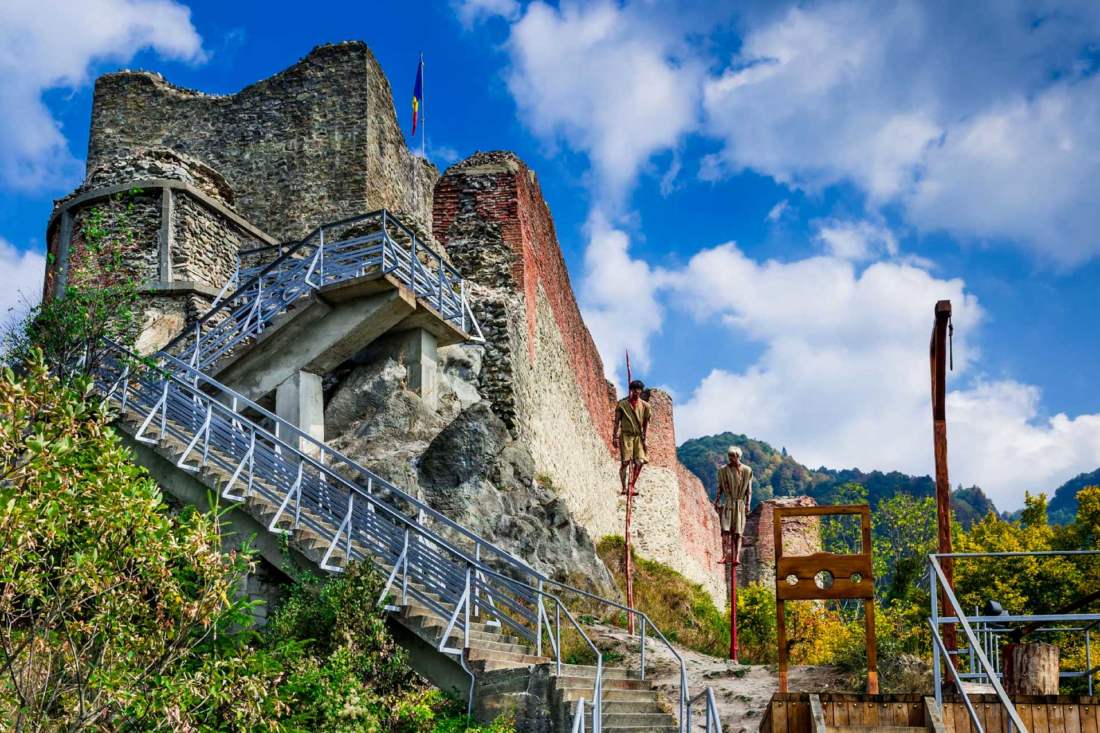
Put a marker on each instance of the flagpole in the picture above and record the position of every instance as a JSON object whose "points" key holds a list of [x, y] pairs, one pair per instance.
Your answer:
{"points": [[423, 114]]}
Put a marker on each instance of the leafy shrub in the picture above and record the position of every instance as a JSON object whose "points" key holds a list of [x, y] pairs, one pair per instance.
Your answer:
{"points": [[106, 595]]}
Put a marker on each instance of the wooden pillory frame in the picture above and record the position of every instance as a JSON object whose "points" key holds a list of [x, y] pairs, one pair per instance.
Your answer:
{"points": [[848, 577]]}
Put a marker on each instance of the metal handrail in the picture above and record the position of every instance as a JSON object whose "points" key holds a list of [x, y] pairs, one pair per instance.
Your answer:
{"points": [[475, 572], [713, 720], [440, 285], [983, 660], [285, 429]]}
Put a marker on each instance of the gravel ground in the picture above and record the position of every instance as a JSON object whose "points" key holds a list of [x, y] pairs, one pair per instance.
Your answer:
{"points": [[742, 691]]}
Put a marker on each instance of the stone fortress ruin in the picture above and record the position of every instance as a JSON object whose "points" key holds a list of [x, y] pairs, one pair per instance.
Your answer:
{"points": [[320, 142], [382, 362]]}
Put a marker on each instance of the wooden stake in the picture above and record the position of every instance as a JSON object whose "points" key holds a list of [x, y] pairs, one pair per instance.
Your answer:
{"points": [[628, 561], [938, 363], [733, 557]]}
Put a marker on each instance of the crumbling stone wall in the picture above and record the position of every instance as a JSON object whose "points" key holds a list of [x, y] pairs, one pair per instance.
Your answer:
{"points": [[545, 378], [503, 230], [171, 217], [801, 536], [314, 143]]}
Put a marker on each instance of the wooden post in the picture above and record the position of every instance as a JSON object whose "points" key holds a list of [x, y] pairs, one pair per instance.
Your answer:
{"points": [[780, 604], [869, 610], [938, 363], [1031, 669], [628, 561], [733, 557]]}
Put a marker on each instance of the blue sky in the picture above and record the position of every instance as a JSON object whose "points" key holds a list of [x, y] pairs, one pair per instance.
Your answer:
{"points": [[762, 201]]}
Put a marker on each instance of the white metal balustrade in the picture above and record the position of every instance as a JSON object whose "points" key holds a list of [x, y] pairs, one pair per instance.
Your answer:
{"points": [[372, 244]]}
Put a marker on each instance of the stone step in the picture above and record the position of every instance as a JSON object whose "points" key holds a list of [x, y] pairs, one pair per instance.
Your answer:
{"points": [[610, 694], [609, 683], [518, 659], [584, 670]]}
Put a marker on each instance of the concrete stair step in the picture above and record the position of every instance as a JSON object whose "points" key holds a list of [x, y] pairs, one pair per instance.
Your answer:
{"points": [[584, 670], [434, 623], [633, 721], [610, 695], [609, 683], [491, 655]]}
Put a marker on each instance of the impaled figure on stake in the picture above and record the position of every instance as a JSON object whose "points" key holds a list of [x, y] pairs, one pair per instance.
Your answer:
{"points": [[629, 431], [732, 503]]}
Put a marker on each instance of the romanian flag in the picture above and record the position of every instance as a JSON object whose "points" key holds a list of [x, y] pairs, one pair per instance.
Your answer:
{"points": [[418, 92]]}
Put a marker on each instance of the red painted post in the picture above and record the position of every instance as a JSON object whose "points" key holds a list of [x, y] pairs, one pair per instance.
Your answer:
{"points": [[628, 561]]}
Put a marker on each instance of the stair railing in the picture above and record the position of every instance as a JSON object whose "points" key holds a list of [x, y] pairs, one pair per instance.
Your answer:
{"points": [[311, 264], [712, 720], [444, 578], [644, 621], [938, 581]]}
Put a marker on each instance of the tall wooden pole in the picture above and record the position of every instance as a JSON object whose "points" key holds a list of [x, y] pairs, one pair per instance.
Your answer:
{"points": [[629, 560], [733, 557], [938, 358]]}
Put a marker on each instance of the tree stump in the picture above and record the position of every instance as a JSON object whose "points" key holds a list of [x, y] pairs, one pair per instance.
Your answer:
{"points": [[1031, 669]]}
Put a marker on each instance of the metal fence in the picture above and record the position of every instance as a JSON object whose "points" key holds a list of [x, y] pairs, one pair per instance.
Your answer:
{"points": [[255, 456], [979, 660], [372, 245]]}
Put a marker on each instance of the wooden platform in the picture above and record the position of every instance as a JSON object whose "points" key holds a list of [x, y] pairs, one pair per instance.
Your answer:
{"points": [[793, 712]]}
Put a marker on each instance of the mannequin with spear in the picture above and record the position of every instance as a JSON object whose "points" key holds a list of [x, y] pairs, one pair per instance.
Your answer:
{"points": [[629, 431]]}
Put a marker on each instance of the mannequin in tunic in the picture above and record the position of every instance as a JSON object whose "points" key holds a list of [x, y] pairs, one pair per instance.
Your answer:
{"points": [[732, 502], [629, 432]]}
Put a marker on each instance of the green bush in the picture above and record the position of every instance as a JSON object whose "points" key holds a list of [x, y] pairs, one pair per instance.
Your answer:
{"points": [[118, 614]]}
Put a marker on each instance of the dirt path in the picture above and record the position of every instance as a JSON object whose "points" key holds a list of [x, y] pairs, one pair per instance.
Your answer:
{"points": [[741, 691]]}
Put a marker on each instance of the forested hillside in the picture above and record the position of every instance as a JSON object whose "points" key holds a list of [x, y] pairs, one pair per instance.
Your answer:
{"points": [[778, 474], [1063, 505]]}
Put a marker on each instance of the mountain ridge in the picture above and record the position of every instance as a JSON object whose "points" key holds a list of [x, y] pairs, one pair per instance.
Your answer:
{"points": [[779, 474]]}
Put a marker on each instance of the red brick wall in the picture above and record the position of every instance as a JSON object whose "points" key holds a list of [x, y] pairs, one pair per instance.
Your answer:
{"points": [[661, 438], [700, 531], [511, 198]]}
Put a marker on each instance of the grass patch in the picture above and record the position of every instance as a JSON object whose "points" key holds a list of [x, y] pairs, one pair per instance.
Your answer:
{"points": [[680, 608]]}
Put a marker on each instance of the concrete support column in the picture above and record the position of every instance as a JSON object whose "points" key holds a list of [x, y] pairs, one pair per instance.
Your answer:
{"points": [[421, 362], [300, 401]]}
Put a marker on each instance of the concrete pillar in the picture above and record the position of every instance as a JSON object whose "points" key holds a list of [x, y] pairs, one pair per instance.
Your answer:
{"points": [[300, 401], [421, 362]]}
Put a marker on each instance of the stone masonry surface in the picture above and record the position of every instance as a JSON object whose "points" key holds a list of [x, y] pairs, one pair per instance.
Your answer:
{"points": [[545, 377], [202, 242], [801, 536], [314, 143]]}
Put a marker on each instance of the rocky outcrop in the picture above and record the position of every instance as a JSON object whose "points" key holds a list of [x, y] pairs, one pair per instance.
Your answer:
{"points": [[459, 457]]}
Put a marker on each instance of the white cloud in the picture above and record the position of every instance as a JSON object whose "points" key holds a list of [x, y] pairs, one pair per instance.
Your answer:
{"points": [[607, 81], [856, 240], [619, 297], [1026, 169], [22, 273], [950, 110], [470, 12], [843, 378], [776, 212], [47, 44]]}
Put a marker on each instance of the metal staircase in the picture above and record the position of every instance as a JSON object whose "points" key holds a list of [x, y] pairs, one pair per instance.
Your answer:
{"points": [[472, 601]]}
